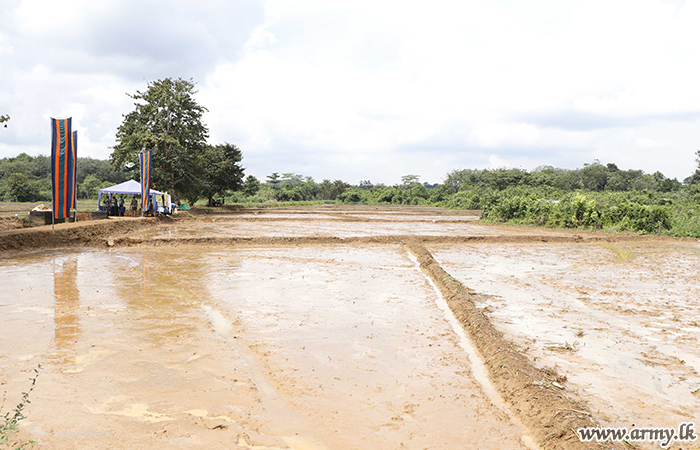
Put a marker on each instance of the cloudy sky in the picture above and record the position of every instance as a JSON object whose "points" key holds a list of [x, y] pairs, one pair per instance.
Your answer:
{"points": [[370, 89]]}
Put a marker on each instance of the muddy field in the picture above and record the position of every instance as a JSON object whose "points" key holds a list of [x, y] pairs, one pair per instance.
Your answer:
{"points": [[345, 328]]}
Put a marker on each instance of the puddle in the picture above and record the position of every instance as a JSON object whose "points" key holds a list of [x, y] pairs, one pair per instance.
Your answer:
{"points": [[138, 411], [203, 414]]}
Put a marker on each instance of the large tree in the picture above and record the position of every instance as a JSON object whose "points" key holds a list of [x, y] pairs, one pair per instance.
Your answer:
{"points": [[221, 170], [168, 121], [251, 186], [695, 177], [409, 182]]}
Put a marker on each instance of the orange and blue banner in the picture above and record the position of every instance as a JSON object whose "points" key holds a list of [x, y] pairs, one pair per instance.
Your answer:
{"points": [[74, 151], [145, 166], [62, 168]]}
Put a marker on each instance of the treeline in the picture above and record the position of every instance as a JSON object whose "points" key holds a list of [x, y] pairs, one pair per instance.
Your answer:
{"points": [[26, 178], [467, 188], [595, 196], [593, 177]]}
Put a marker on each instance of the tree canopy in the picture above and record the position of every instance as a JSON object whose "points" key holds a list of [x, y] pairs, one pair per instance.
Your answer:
{"points": [[220, 170], [695, 177], [168, 121]]}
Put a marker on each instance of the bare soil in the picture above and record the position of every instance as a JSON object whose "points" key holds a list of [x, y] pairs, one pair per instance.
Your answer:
{"points": [[302, 328]]}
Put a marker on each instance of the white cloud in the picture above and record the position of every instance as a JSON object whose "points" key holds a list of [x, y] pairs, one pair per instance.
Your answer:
{"points": [[335, 89]]}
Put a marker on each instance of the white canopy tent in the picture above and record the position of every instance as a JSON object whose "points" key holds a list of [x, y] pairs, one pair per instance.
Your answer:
{"points": [[133, 187]]}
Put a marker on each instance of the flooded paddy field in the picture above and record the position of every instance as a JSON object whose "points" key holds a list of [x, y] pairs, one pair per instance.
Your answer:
{"points": [[217, 227], [326, 345], [620, 320], [340, 224]]}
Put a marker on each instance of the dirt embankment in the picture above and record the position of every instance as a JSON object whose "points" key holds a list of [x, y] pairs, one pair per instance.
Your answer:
{"points": [[12, 223], [390, 239], [116, 230], [537, 398], [69, 234]]}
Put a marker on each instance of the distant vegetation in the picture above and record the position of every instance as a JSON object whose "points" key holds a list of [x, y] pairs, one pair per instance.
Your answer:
{"points": [[27, 178], [595, 196]]}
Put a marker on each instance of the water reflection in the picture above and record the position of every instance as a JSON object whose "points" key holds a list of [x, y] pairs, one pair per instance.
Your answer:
{"points": [[66, 311], [157, 287]]}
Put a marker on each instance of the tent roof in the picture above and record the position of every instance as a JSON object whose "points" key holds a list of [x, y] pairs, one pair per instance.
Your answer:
{"points": [[130, 187]]}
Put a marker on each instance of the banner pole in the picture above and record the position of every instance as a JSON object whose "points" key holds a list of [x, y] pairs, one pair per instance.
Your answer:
{"points": [[53, 188]]}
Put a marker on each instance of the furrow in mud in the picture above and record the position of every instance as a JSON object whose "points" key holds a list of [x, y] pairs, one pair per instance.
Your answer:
{"points": [[545, 409]]}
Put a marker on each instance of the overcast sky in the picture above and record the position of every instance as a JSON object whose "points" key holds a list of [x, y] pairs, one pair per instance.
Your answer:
{"points": [[370, 89]]}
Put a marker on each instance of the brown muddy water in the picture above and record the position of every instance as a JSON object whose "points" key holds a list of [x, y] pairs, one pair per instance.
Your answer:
{"points": [[288, 348], [339, 346], [619, 320], [218, 227]]}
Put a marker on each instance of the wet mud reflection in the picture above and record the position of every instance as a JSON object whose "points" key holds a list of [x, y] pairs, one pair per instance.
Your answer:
{"points": [[157, 288], [66, 312]]}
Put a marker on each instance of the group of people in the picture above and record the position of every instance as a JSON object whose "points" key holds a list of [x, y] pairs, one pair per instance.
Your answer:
{"points": [[117, 207]]}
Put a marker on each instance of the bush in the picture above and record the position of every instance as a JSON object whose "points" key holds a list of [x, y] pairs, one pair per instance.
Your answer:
{"points": [[628, 211]]}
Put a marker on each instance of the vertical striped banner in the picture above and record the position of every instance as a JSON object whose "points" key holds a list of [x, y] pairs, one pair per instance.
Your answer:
{"points": [[145, 162], [74, 152], [62, 165]]}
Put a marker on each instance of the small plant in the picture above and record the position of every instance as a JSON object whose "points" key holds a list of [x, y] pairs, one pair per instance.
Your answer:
{"points": [[571, 347], [565, 347], [8, 422]]}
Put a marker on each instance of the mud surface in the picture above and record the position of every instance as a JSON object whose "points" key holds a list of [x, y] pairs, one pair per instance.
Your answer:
{"points": [[619, 320], [316, 329]]}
